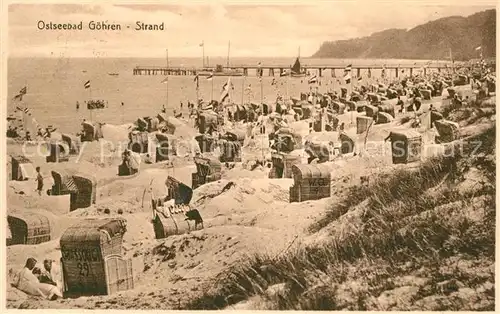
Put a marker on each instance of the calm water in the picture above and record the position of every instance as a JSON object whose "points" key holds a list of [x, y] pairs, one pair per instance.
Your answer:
{"points": [[55, 85]]}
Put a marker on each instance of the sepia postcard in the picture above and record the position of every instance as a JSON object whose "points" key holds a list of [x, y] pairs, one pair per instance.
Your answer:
{"points": [[217, 155]]}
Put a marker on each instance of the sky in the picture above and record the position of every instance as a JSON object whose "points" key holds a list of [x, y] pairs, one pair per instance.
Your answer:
{"points": [[253, 30]]}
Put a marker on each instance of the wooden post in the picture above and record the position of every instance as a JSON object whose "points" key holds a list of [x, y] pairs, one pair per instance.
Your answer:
{"points": [[271, 72], [411, 71], [358, 72], [397, 72], [245, 71], [320, 72]]}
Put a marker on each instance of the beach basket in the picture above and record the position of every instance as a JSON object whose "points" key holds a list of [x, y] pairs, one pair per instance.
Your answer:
{"points": [[311, 182], [28, 228], [282, 165], [74, 143], [317, 151], [236, 135], [360, 105], [208, 169], [138, 142], [207, 120], [425, 94], [338, 107], [384, 117], [92, 261], [58, 152], [284, 143], [166, 146], [406, 146], [389, 108], [296, 136], [371, 111], [22, 168], [166, 223], [362, 124], [205, 142], [435, 116], [178, 191], [448, 131], [63, 183], [346, 143], [230, 151], [142, 124], [87, 192]]}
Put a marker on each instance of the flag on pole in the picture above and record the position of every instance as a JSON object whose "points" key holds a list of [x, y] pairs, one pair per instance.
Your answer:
{"points": [[313, 79], [347, 78], [479, 48], [87, 84], [22, 92], [165, 80], [210, 76], [227, 85]]}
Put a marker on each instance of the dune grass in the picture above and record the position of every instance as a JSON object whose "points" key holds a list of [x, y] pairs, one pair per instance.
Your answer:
{"points": [[402, 232]]}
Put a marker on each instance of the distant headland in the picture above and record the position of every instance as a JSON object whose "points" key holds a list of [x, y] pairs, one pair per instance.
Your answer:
{"points": [[455, 35]]}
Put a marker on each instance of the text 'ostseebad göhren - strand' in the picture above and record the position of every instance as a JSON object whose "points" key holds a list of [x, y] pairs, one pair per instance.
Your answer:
{"points": [[99, 25]]}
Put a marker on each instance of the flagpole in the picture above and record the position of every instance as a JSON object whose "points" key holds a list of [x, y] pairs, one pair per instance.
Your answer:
{"points": [[212, 93], [90, 98], [261, 91], [203, 48], [243, 90]]}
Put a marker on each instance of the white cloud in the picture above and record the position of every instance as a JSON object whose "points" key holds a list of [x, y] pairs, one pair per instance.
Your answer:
{"points": [[254, 30]]}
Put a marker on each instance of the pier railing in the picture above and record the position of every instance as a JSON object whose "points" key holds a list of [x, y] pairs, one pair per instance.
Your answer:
{"points": [[274, 70]]}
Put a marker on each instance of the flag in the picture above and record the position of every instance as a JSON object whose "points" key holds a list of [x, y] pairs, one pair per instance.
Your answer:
{"points": [[87, 84], [313, 79], [210, 77], [202, 44], [197, 80], [165, 80], [347, 78], [479, 48], [224, 97], [227, 85], [22, 92]]}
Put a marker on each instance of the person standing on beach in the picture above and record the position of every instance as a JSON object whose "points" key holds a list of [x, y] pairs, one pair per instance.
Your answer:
{"points": [[39, 179], [77, 105]]}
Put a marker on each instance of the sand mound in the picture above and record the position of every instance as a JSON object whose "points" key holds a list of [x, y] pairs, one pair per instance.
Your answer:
{"points": [[116, 133]]}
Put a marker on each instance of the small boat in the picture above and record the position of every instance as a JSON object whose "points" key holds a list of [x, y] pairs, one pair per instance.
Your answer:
{"points": [[220, 71], [297, 70]]}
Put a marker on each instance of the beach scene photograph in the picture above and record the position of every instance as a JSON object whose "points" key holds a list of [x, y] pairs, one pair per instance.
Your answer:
{"points": [[324, 155]]}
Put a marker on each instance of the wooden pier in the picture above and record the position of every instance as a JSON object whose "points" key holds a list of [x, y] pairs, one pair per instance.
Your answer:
{"points": [[275, 70]]}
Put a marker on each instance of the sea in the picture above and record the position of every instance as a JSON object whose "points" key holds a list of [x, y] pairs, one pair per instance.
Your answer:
{"points": [[55, 85]]}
